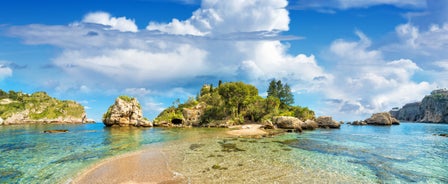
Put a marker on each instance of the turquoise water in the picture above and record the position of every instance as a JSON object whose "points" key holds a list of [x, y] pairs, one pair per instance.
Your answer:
{"points": [[30, 156], [406, 153]]}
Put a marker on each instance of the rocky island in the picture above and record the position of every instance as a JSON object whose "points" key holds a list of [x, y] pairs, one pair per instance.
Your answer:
{"points": [[235, 103], [432, 109], [126, 111], [39, 107]]}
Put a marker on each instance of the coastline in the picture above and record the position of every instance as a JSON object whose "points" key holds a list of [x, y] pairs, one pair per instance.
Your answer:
{"points": [[149, 165]]}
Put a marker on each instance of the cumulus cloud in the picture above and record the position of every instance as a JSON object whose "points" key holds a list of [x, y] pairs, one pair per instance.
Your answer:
{"points": [[224, 40], [431, 42], [221, 17], [116, 23], [364, 82]]}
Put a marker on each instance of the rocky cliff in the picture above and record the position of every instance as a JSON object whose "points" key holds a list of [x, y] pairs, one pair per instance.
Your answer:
{"points": [[126, 111], [433, 108], [21, 108]]}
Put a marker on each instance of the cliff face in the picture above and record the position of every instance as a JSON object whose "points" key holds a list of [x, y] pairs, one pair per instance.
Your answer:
{"points": [[21, 108], [126, 111], [433, 108]]}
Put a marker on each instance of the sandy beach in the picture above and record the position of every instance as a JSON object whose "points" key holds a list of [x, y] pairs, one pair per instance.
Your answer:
{"points": [[146, 166], [247, 130]]}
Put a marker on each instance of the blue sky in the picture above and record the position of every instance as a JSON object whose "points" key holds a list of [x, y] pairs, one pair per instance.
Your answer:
{"points": [[343, 58]]}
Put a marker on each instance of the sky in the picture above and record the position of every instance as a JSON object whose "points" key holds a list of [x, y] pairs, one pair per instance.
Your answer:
{"points": [[343, 58]]}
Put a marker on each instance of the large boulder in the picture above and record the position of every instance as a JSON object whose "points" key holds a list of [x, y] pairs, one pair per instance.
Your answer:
{"points": [[193, 115], [382, 118], [288, 122], [310, 125], [126, 111], [327, 122]]}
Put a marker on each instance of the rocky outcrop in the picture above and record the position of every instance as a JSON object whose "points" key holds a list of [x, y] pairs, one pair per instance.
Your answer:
{"points": [[433, 108], [383, 118], [310, 125], [39, 108], [126, 111], [267, 124], [287, 122], [327, 122], [192, 116], [409, 112], [358, 123]]}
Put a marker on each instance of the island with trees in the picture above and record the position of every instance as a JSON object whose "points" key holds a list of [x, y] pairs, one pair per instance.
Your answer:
{"points": [[40, 108], [237, 103]]}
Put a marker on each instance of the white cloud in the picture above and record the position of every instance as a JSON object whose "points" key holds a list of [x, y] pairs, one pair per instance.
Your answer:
{"points": [[115, 23], [222, 40], [138, 92], [5, 72], [230, 16], [364, 82]]}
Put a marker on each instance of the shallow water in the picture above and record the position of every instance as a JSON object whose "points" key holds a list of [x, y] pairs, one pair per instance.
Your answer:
{"points": [[353, 154], [30, 156]]}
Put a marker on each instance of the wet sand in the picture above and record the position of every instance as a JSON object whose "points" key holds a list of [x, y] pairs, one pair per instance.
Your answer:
{"points": [[146, 166]]}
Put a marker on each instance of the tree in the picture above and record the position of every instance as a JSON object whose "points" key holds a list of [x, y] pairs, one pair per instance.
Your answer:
{"points": [[282, 92], [273, 90], [286, 96], [236, 95]]}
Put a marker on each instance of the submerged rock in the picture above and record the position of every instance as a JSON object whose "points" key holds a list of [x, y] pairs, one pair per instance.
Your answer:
{"points": [[327, 122], [382, 118], [55, 131], [126, 111]]}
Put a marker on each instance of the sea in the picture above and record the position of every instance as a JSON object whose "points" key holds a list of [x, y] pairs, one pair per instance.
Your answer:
{"points": [[405, 153]]}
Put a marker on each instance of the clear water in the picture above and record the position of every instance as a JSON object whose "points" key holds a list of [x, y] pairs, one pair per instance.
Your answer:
{"points": [[27, 155], [410, 152], [406, 153]]}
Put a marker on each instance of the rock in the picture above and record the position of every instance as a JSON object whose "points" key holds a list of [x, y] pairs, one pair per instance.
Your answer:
{"points": [[126, 111], [55, 131], [383, 118], [310, 125], [433, 108], [327, 122], [1, 121], [358, 123], [193, 115], [288, 122], [443, 135], [90, 121], [267, 124]]}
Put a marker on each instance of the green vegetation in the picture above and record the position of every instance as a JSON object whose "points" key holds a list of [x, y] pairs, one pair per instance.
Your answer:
{"points": [[238, 102], [282, 92], [126, 98], [39, 105]]}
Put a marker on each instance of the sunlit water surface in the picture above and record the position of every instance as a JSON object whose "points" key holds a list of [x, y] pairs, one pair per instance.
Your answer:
{"points": [[410, 152]]}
